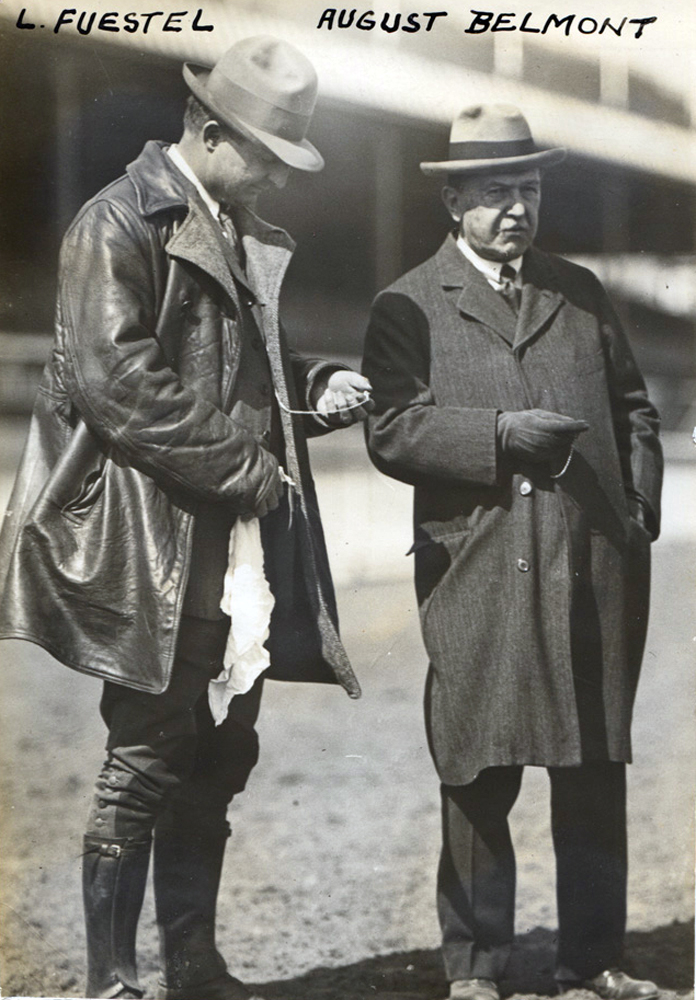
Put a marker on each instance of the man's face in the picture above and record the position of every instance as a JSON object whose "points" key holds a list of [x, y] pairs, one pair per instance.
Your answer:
{"points": [[238, 170], [498, 214]]}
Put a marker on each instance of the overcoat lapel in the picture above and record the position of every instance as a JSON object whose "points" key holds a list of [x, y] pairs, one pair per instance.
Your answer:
{"points": [[268, 252], [476, 299], [541, 299], [481, 302], [199, 241]]}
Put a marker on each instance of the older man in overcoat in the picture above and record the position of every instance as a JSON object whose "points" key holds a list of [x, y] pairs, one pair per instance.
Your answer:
{"points": [[507, 395], [164, 517]]}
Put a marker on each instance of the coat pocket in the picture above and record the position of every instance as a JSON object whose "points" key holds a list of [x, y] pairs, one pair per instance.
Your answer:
{"points": [[435, 551], [92, 488], [78, 478], [434, 532]]}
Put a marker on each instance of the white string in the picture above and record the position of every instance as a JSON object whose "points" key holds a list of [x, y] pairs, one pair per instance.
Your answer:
{"points": [[314, 413], [565, 467]]}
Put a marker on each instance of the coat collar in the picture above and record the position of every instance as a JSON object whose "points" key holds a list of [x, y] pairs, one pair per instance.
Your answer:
{"points": [[540, 296], [160, 187]]}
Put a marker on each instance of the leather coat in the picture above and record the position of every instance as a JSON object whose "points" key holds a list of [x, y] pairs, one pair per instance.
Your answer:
{"points": [[130, 435]]}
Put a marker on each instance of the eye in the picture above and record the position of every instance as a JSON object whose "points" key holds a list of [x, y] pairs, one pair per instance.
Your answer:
{"points": [[267, 157]]}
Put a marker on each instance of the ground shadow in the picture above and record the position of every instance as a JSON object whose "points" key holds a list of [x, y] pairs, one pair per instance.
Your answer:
{"points": [[665, 955]]}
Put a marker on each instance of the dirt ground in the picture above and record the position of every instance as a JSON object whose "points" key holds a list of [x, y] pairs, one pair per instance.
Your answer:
{"points": [[328, 890]]}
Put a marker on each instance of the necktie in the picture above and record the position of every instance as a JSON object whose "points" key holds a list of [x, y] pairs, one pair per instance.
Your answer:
{"points": [[509, 289], [228, 229]]}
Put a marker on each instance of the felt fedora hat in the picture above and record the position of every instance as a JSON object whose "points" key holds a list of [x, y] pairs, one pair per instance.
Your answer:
{"points": [[266, 88], [492, 136]]}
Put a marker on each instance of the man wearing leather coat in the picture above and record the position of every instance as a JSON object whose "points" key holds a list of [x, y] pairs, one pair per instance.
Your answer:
{"points": [[170, 411]]}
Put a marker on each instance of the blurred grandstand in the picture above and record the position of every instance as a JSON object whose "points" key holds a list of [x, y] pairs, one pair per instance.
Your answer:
{"points": [[76, 109]]}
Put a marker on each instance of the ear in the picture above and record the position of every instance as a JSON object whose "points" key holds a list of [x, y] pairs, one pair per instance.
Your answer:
{"points": [[452, 202], [212, 135]]}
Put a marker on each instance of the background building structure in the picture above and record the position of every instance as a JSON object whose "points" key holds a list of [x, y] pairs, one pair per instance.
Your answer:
{"points": [[625, 200]]}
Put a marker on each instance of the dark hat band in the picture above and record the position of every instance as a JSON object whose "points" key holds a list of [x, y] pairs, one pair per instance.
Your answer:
{"points": [[256, 111], [491, 150]]}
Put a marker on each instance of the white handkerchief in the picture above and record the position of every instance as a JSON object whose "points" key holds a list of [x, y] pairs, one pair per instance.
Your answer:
{"points": [[248, 600]]}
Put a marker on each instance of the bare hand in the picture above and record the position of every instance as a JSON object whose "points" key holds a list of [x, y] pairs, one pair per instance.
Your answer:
{"points": [[346, 398]]}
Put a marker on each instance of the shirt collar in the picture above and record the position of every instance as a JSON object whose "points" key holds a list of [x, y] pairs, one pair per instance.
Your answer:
{"points": [[490, 269], [174, 153]]}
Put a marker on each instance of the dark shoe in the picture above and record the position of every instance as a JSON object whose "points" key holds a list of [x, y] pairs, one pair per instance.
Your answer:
{"points": [[473, 989], [223, 987], [615, 985]]}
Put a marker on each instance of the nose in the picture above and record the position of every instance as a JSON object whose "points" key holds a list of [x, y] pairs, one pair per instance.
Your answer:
{"points": [[518, 207]]}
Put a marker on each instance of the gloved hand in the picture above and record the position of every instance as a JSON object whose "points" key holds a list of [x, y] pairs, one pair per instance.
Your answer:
{"points": [[270, 499], [640, 512], [269, 494], [537, 435]]}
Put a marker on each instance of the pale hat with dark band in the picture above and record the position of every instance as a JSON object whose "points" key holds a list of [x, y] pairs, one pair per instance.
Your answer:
{"points": [[266, 88], [492, 136]]}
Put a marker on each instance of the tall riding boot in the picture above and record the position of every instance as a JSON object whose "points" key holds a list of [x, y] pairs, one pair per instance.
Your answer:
{"points": [[188, 855], [128, 797], [114, 873]]}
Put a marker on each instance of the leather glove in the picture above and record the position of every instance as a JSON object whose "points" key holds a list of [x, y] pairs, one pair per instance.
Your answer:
{"points": [[269, 494], [271, 498], [640, 512], [537, 435]]}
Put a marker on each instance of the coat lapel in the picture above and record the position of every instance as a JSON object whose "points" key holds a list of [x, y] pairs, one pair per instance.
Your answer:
{"points": [[541, 299], [200, 242], [476, 297], [198, 239], [484, 304], [268, 251]]}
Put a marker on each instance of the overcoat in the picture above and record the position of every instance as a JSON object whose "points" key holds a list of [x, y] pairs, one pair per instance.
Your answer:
{"points": [[131, 433], [533, 590]]}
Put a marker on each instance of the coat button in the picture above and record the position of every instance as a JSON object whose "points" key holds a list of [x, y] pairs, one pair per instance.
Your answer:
{"points": [[264, 389], [256, 342], [523, 565], [525, 488]]}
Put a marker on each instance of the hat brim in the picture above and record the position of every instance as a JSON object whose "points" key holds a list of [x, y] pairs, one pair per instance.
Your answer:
{"points": [[300, 155], [543, 158]]}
